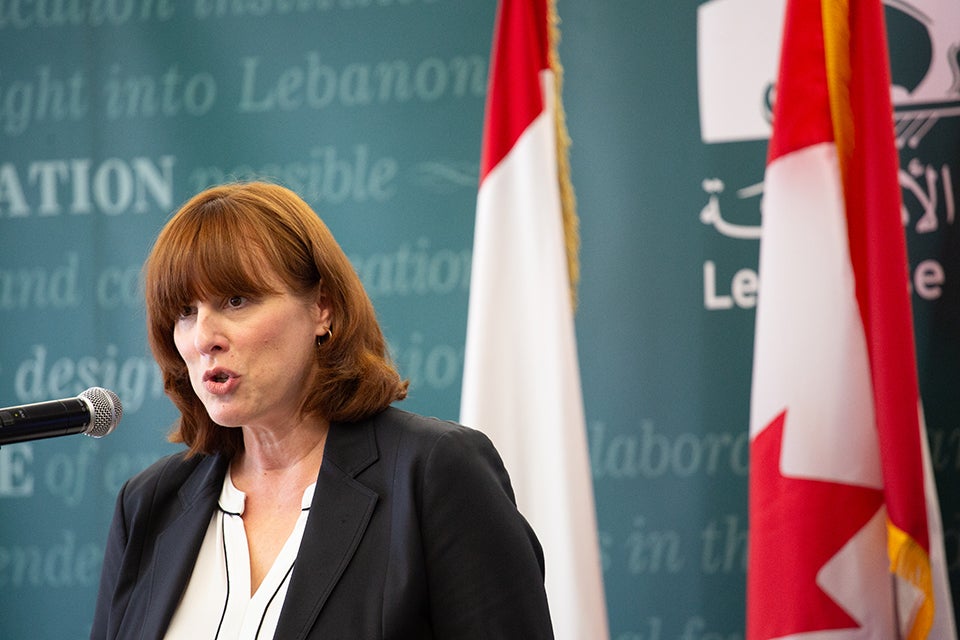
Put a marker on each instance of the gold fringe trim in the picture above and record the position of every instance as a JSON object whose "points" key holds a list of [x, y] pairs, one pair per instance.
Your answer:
{"points": [[909, 561], [835, 17], [568, 201]]}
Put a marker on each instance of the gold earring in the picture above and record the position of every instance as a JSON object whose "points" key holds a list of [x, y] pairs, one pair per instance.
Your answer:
{"points": [[325, 337]]}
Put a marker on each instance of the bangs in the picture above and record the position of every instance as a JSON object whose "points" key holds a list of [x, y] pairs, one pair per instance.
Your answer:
{"points": [[208, 254]]}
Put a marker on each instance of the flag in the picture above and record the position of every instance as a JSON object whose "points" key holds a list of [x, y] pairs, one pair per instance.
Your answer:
{"points": [[521, 379], [845, 536]]}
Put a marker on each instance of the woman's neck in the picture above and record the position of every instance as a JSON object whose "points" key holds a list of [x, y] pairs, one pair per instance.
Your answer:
{"points": [[289, 456]]}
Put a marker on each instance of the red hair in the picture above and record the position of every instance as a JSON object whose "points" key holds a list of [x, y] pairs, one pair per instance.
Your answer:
{"points": [[220, 243]]}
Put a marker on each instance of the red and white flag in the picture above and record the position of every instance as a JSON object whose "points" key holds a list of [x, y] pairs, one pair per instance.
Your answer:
{"points": [[521, 379], [845, 535]]}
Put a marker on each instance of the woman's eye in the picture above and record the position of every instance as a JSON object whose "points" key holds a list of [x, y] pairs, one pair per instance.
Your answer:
{"points": [[235, 301], [187, 311]]}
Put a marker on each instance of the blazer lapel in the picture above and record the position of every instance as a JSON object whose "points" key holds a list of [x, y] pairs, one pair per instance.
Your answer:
{"points": [[179, 543], [339, 516]]}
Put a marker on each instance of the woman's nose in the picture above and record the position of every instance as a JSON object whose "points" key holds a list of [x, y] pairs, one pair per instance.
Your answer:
{"points": [[209, 336]]}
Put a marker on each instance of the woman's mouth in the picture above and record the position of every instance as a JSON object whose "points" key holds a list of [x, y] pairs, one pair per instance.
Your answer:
{"points": [[219, 381]]}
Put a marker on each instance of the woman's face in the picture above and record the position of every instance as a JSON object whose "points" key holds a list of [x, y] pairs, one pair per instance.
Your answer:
{"points": [[250, 359]]}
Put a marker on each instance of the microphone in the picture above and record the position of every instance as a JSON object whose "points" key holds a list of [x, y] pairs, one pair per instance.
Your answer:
{"points": [[95, 413]]}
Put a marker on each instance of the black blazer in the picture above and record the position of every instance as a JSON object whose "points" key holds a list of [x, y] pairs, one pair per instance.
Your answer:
{"points": [[413, 533]]}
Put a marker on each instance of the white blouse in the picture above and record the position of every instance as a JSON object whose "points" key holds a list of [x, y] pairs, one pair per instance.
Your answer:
{"points": [[217, 602]]}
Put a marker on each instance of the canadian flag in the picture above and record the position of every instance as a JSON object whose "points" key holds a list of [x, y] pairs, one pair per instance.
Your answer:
{"points": [[845, 536], [521, 378]]}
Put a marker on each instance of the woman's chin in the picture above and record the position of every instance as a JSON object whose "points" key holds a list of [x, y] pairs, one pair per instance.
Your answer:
{"points": [[225, 418]]}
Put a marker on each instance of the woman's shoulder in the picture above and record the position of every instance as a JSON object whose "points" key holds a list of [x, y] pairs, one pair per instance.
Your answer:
{"points": [[168, 473], [451, 459], [440, 445]]}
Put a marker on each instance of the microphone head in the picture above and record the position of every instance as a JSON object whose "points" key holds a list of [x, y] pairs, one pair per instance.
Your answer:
{"points": [[106, 411]]}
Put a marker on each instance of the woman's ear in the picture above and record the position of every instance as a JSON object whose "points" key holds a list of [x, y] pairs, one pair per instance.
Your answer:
{"points": [[323, 312]]}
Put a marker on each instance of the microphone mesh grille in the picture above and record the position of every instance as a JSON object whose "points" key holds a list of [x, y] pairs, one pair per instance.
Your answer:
{"points": [[107, 411]]}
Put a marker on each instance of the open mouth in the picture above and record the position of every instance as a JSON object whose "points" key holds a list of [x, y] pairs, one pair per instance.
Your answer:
{"points": [[217, 375], [220, 382]]}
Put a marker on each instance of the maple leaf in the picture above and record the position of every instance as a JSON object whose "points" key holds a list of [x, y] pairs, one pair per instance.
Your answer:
{"points": [[797, 526]]}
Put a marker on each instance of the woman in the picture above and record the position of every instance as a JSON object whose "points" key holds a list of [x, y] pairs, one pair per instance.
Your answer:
{"points": [[304, 505]]}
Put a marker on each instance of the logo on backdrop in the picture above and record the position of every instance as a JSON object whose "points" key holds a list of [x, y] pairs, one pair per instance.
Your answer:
{"points": [[738, 47]]}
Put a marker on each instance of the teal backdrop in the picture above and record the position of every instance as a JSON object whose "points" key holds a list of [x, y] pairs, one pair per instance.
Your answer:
{"points": [[114, 112]]}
